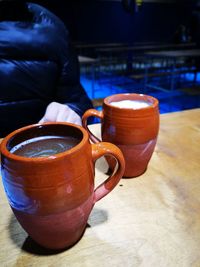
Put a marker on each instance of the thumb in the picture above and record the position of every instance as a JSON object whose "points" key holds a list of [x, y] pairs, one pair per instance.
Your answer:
{"points": [[42, 120]]}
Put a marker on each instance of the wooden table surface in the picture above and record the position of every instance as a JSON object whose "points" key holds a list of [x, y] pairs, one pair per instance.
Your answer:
{"points": [[85, 60], [145, 47], [96, 45], [152, 220], [175, 53]]}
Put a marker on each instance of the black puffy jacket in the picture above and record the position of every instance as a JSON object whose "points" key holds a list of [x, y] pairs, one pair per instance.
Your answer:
{"points": [[37, 66]]}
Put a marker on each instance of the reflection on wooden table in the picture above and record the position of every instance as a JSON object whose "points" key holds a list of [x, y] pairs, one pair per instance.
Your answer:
{"points": [[152, 220]]}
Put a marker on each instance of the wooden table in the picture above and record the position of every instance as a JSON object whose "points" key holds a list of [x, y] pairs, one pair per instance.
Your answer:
{"points": [[175, 53], [143, 48], [89, 48], [86, 60], [174, 56], [98, 45], [152, 220]]}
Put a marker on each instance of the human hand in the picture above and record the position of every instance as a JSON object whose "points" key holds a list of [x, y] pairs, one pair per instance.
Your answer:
{"points": [[60, 112]]}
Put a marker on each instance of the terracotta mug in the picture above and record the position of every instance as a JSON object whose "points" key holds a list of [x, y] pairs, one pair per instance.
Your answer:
{"points": [[130, 121], [49, 180]]}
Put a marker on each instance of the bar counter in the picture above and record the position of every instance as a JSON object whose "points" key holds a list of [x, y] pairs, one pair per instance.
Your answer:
{"points": [[151, 220]]}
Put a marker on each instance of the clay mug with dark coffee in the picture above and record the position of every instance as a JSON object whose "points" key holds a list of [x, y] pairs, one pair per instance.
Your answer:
{"points": [[48, 175], [130, 121]]}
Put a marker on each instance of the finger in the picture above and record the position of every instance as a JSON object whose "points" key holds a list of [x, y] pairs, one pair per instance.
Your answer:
{"points": [[51, 113], [63, 115], [78, 122], [74, 118], [41, 121]]}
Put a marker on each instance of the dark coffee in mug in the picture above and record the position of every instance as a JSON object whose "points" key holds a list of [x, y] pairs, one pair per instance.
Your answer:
{"points": [[44, 146]]}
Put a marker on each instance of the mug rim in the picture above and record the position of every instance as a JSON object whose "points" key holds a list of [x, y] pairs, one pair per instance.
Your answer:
{"points": [[154, 104], [5, 152]]}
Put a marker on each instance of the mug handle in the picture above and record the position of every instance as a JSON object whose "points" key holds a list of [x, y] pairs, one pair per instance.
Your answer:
{"points": [[86, 115], [102, 149]]}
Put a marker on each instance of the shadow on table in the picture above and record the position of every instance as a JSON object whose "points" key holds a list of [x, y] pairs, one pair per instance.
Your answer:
{"points": [[26, 243]]}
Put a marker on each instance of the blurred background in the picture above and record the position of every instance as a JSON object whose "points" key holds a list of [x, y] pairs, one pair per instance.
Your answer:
{"points": [[142, 46]]}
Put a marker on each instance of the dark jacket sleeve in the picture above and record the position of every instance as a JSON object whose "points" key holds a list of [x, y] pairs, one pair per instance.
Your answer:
{"points": [[45, 40], [69, 89]]}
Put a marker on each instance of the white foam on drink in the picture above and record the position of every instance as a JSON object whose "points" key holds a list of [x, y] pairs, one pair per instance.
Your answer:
{"points": [[133, 104]]}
